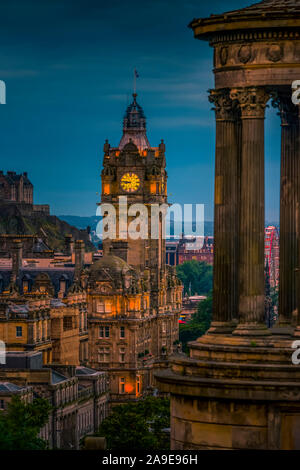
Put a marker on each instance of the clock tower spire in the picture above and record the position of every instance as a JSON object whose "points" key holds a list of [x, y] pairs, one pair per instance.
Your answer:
{"points": [[134, 126], [136, 170]]}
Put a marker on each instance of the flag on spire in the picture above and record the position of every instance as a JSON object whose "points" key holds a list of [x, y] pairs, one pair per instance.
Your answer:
{"points": [[135, 76]]}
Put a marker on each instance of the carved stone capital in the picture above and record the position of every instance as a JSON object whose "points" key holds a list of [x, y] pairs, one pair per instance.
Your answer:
{"points": [[288, 112], [252, 101], [224, 108]]}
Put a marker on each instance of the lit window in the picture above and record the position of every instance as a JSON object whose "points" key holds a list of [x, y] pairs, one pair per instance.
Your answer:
{"points": [[25, 286], [122, 385], [106, 188], [100, 307], [122, 332], [19, 332]]}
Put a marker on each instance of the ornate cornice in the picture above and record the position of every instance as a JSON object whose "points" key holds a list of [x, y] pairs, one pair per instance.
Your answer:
{"points": [[252, 101], [262, 35]]}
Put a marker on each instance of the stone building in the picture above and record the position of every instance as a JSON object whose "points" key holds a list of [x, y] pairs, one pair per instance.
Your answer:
{"points": [[200, 249], [134, 298], [239, 389], [78, 396], [44, 310], [15, 188]]}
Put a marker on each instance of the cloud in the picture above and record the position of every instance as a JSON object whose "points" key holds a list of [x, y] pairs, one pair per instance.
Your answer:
{"points": [[172, 122], [18, 73]]}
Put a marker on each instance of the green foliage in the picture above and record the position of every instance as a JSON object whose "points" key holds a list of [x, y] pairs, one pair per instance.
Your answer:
{"points": [[21, 423], [199, 323], [195, 276], [138, 425]]}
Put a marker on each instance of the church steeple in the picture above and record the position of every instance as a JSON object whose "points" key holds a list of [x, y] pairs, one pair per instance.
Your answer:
{"points": [[134, 126]]}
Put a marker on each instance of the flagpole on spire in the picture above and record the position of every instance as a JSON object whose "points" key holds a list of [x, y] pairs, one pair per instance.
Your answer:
{"points": [[135, 76]]}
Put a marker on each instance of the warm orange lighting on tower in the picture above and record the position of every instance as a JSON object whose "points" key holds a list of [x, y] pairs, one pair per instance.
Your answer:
{"points": [[106, 188]]}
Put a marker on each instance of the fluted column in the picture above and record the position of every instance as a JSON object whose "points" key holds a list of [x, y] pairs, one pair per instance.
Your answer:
{"points": [[225, 213], [289, 181], [297, 151], [252, 102]]}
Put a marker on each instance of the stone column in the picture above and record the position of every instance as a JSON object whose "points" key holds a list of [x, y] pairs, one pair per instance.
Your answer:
{"points": [[79, 259], [289, 181], [16, 254], [225, 213], [297, 152], [252, 102]]}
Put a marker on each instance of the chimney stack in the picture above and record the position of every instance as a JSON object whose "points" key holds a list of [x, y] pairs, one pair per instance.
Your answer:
{"points": [[16, 254], [79, 258], [69, 245]]}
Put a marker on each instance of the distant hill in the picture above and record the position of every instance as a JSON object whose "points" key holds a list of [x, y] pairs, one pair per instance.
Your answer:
{"points": [[83, 222], [14, 220]]}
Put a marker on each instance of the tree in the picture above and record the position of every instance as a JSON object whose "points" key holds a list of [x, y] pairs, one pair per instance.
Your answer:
{"points": [[138, 425], [21, 423], [199, 323], [196, 277]]}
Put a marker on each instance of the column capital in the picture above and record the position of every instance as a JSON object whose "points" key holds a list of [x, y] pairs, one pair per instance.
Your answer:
{"points": [[252, 101], [224, 107], [288, 111]]}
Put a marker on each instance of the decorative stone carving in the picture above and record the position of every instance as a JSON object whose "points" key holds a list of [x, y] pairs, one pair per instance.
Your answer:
{"points": [[287, 110], [245, 53], [224, 55], [252, 101], [223, 104], [275, 52]]}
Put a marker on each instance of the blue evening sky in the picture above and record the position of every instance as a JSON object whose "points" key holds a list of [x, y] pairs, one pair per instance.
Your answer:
{"points": [[68, 67]]}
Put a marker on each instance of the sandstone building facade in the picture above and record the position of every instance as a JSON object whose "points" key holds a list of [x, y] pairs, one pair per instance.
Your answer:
{"points": [[98, 328], [134, 298]]}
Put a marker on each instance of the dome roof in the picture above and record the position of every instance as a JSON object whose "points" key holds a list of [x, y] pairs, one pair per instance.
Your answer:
{"points": [[265, 14], [113, 263], [268, 6]]}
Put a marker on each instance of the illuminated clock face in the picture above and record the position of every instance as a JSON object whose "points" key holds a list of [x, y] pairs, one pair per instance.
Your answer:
{"points": [[130, 182]]}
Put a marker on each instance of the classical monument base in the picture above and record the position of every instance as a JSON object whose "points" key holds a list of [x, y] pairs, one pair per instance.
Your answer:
{"points": [[239, 388], [234, 393]]}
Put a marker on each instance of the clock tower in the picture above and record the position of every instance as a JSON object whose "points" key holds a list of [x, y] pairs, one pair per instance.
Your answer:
{"points": [[134, 298], [136, 170]]}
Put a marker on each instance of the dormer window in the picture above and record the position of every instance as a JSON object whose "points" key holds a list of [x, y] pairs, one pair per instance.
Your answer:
{"points": [[25, 286]]}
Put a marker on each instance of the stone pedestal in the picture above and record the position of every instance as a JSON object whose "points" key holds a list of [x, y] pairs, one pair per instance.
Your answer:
{"points": [[234, 393]]}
